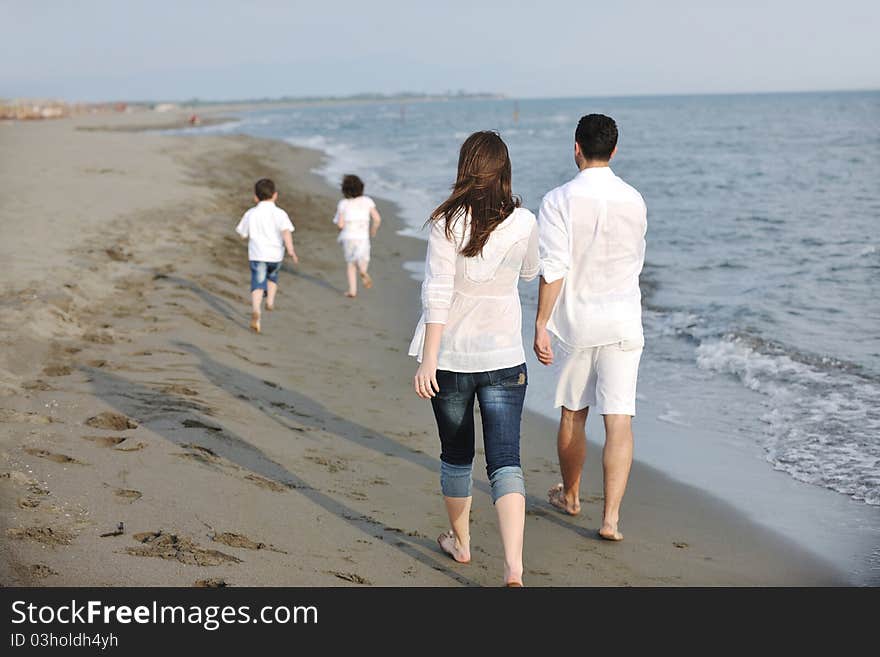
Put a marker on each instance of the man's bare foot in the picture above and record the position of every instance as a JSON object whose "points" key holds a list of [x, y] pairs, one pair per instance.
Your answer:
{"points": [[450, 545], [367, 280], [556, 496], [351, 295], [270, 306], [609, 532], [255, 322]]}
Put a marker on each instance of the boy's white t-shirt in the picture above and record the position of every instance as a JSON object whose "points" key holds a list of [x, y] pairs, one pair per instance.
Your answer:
{"points": [[356, 214], [262, 225]]}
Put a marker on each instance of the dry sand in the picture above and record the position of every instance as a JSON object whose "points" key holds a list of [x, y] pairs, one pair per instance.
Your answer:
{"points": [[148, 438]]}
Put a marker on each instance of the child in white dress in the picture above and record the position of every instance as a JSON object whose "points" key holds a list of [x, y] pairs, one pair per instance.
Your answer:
{"points": [[358, 220]]}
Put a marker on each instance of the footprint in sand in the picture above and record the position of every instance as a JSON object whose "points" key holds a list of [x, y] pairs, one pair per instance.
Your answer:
{"points": [[57, 369], [38, 385], [44, 535], [118, 443], [349, 577], [268, 484], [40, 571], [680, 545], [128, 495], [199, 453], [112, 421], [177, 389], [52, 456], [196, 424], [177, 548], [105, 441], [29, 502], [211, 583], [241, 541], [10, 415]]}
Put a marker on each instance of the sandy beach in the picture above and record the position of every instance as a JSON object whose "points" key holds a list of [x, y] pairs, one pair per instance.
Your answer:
{"points": [[148, 438]]}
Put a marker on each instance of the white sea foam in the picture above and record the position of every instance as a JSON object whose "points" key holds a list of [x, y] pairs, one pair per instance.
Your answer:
{"points": [[822, 423]]}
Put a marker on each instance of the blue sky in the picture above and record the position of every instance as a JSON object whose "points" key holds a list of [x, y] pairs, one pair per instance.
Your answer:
{"points": [[161, 49]]}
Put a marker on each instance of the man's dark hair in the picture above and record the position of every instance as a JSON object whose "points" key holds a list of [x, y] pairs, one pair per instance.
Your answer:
{"points": [[352, 186], [596, 134], [264, 189]]}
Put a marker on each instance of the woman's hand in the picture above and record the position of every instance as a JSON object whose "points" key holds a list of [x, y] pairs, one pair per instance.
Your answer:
{"points": [[425, 380]]}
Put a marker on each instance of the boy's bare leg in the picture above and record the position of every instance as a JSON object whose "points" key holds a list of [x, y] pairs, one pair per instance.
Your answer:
{"points": [[616, 462], [271, 291], [256, 308], [571, 446], [351, 273], [365, 277]]}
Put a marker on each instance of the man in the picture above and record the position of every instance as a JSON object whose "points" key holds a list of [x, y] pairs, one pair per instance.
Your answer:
{"points": [[592, 243]]}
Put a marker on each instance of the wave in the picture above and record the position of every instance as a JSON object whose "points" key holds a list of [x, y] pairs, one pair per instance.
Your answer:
{"points": [[822, 415]]}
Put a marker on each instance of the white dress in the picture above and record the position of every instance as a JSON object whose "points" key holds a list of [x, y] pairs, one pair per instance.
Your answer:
{"points": [[355, 234], [477, 298]]}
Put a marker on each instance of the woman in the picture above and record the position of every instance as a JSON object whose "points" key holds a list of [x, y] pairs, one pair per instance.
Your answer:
{"points": [[469, 344]]}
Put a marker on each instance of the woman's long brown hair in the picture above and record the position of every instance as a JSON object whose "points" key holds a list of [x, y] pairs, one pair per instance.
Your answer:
{"points": [[482, 188]]}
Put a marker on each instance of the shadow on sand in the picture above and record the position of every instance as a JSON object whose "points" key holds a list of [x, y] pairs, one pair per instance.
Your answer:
{"points": [[164, 413]]}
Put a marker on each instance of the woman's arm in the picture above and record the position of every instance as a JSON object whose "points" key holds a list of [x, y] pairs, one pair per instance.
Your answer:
{"points": [[531, 265], [425, 380], [437, 291]]}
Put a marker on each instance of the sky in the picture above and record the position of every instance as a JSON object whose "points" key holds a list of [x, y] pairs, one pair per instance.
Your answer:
{"points": [[237, 49]]}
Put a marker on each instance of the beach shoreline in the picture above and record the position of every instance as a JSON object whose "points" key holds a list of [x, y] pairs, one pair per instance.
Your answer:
{"points": [[297, 457]]}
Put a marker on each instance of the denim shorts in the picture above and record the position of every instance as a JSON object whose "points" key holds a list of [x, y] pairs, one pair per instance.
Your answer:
{"points": [[501, 394], [262, 272]]}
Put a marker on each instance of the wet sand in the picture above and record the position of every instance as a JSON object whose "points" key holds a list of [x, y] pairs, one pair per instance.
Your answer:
{"points": [[148, 438]]}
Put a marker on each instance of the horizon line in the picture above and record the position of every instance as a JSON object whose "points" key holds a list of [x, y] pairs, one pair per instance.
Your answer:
{"points": [[421, 96]]}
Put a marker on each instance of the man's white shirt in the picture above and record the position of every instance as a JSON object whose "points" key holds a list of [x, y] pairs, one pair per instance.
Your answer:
{"points": [[592, 234]]}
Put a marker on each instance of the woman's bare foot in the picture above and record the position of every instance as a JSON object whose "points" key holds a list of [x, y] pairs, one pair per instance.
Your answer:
{"points": [[270, 307], [512, 578], [451, 546], [609, 532], [556, 496], [367, 280], [351, 295], [255, 322]]}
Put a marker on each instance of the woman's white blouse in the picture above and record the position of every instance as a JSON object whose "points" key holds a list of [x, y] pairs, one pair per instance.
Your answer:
{"points": [[477, 298]]}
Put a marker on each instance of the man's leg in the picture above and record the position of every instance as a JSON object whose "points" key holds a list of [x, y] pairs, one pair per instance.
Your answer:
{"points": [[616, 462], [571, 446]]}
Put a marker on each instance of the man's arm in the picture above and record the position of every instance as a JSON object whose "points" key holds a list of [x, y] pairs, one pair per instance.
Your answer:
{"points": [[548, 293], [288, 244]]}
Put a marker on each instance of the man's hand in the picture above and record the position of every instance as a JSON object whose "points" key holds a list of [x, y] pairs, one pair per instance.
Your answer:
{"points": [[294, 257], [425, 380], [543, 348]]}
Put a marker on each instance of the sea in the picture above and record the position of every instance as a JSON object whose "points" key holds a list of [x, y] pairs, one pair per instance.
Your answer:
{"points": [[760, 379]]}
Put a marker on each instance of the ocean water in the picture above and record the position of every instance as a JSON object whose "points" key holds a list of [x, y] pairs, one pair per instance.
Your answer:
{"points": [[762, 312]]}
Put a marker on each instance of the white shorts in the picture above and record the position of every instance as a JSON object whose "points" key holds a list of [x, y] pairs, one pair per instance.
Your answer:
{"points": [[356, 250], [602, 377]]}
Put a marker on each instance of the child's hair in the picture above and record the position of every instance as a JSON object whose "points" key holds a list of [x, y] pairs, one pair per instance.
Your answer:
{"points": [[264, 189], [352, 186]]}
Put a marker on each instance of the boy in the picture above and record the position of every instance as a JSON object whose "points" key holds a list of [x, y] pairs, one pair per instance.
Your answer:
{"points": [[268, 231]]}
